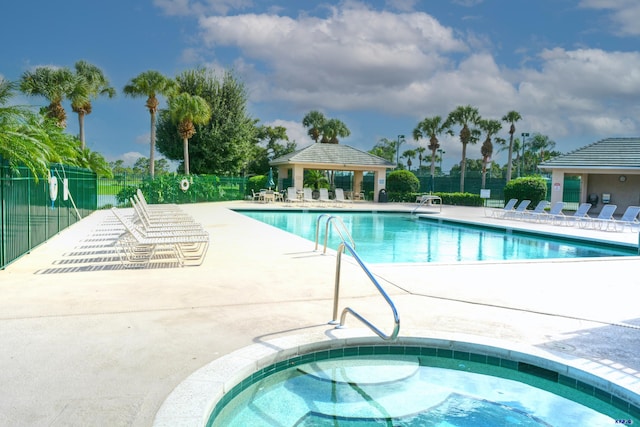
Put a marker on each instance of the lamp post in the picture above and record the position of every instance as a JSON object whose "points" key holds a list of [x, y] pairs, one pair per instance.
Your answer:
{"points": [[524, 136], [400, 141]]}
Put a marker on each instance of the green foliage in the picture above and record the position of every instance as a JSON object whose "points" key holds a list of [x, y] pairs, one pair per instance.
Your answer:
{"points": [[256, 183], [532, 188], [402, 181], [225, 145], [166, 189], [315, 179]]}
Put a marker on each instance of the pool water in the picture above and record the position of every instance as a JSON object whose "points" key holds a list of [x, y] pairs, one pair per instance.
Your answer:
{"points": [[399, 238], [404, 391]]}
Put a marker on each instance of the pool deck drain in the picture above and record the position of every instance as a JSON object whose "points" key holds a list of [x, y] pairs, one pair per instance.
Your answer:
{"points": [[86, 342]]}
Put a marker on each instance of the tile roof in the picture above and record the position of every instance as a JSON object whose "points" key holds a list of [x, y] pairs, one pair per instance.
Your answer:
{"points": [[333, 154], [610, 153]]}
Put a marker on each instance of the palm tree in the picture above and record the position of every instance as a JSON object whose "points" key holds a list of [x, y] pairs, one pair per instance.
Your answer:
{"points": [[467, 117], [511, 117], [490, 127], [149, 84], [187, 111], [409, 155], [89, 83], [315, 121], [54, 84], [431, 127], [332, 129]]}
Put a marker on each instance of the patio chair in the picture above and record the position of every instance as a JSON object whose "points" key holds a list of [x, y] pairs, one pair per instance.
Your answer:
{"points": [[539, 209], [292, 195], [137, 247], [629, 219], [324, 196], [499, 213], [554, 212], [581, 212], [601, 221], [518, 211], [340, 196], [307, 195]]}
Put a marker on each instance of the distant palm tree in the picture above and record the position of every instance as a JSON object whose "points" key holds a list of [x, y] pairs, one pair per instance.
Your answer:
{"points": [[490, 127], [150, 84], [420, 151], [187, 111], [467, 117], [332, 129], [431, 127], [409, 155], [315, 121], [89, 83], [511, 117], [54, 84]]}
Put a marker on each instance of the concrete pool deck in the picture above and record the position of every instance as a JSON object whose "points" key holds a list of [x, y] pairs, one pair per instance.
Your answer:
{"points": [[86, 342]]}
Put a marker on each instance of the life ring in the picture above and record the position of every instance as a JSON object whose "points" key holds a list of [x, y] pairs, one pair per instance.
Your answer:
{"points": [[53, 188], [184, 184]]}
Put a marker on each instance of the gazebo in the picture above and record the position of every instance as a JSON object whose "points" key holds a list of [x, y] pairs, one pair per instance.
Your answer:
{"points": [[609, 171], [336, 157]]}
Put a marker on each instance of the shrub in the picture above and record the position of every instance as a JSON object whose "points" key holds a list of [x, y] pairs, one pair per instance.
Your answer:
{"points": [[532, 188], [166, 189], [256, 183]]}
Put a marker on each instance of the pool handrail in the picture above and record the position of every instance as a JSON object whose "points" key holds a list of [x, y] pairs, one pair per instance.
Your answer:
{"points": [[428, 198], [326, 230], [396, 329]]}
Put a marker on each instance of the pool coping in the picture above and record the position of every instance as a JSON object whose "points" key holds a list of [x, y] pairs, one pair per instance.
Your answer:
{"points": [[193, 400]]}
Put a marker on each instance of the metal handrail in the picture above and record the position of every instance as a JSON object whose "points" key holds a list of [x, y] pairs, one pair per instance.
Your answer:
{"points": [[346, 310], [326, 230], [428, 199]]}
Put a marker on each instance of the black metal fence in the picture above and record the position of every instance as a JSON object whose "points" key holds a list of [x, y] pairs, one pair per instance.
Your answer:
{"points": [[33, 210]]}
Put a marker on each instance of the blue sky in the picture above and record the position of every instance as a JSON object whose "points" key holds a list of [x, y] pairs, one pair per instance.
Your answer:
{"points": [[570, 67]]}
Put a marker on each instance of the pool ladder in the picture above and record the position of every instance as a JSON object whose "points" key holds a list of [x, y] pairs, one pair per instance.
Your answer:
{"points": [[350, 246]]}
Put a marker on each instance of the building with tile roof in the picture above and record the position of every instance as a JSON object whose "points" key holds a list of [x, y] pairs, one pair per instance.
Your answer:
{"points": [[608, 169], [336, 157]]}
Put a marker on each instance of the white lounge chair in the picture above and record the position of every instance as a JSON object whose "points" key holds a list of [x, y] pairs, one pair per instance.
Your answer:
{"points": [[554, 212], [324, 196], [340, 196], [539, 210], [519, 211], [307, 195], [292, 195], [601, 221], [581, 212], [499, 213], [629, 219]]}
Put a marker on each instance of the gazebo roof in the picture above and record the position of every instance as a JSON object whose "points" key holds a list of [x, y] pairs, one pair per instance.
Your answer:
{"points": [[334, 156], [610, 153]]}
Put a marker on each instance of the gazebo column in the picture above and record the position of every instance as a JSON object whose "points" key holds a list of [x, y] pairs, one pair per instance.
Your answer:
{"points": [[357, 181], [298, 176], [283, 173], [557, 185]]}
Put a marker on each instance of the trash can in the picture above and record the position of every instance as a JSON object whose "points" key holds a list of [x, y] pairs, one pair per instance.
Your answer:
{"points": [[382, 196]]}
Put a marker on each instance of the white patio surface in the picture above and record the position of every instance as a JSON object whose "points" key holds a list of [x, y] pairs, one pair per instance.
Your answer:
{"points": [[88, 343]]}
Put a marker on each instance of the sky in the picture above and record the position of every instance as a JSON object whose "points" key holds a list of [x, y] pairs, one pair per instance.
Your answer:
{"points": [[571, 68]]}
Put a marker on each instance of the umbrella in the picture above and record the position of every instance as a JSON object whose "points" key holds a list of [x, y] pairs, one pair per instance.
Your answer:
{"points": [[270, 182]]}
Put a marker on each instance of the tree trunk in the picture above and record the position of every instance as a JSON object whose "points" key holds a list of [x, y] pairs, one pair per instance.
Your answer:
{"points": [[186, 156], [81, 128], [510, 159], [152, 142], [463, 167]]}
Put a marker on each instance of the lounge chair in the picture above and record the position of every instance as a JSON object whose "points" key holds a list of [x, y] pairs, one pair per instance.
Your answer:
{"points": [[292, 195], [499, 213], [581, 212], [138, 247], [603, 219], [307, 195], [554, 212], [539, 210], [518, 211], [340, 196], [324, 196], [629, 219]]}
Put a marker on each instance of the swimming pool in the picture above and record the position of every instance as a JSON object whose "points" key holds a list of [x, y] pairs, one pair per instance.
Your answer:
{"points": [[398, 238], [404, 386]]}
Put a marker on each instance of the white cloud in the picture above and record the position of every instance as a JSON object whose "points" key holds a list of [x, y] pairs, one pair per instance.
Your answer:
{"points": [[191, 7], [131, 157], [625, 14], [295, 131]]}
